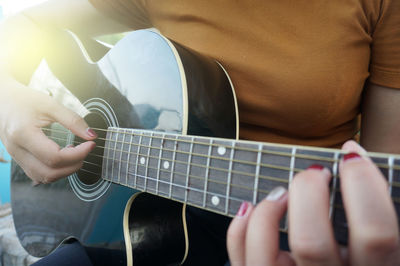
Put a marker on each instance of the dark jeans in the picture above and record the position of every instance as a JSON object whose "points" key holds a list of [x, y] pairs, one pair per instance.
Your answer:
{"points": [[74, 254], [207, 233]]}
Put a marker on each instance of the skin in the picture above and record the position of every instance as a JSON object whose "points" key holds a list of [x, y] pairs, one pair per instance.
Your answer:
{"points": [[252, 239]]}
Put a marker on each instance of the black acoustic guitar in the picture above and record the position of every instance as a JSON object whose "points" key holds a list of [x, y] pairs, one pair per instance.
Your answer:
{"points": [[167, 121]]}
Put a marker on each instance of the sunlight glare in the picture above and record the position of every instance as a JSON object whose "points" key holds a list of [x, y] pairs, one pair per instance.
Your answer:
{"points": [[11, 7]]}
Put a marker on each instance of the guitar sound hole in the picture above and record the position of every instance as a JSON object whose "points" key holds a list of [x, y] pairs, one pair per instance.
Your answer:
{"points": [[90, 172]]}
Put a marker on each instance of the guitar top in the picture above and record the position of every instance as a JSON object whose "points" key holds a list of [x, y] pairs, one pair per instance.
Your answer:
{"points": [[145, 82]]}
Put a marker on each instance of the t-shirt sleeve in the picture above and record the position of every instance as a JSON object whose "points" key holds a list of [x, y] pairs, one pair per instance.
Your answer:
{"points": [[128, 12], [385, 54]]}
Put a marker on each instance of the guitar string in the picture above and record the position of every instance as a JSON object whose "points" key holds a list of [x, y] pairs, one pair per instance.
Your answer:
{"points": [[166, 194], [179, 173], [276, 179], [394, 184], [193, 164], [302, 156], [337, 206], [297, 156]]}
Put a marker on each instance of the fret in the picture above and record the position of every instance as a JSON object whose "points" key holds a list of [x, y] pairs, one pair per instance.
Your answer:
{"points": [[291, 175], [229, 181], [113, 156], [128, 157], [335, 168], [338, 216], [105, 171], [381, 162], [162, 161], [154, 162], [198, 170], [390, 174], [306, 158], [146, 175], [188, 169], [120, 156], [395, 191], [159, 162], [218, 175], [257, 174], [173, 167], [242, 181], [206, 176], [137, 160], [181, 168], [292, 164], [275, 169]]}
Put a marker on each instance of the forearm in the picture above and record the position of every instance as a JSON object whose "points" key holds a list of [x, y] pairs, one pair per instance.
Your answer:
{"points": [[380, 127]]}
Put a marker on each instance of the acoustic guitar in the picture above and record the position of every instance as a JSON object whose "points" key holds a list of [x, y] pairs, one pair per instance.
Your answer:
{"points": [[167, 120]]}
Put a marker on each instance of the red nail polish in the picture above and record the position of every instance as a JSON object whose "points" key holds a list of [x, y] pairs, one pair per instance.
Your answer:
{"points": [[243, 208], [352, 155], [316, 167], [91, 132]]}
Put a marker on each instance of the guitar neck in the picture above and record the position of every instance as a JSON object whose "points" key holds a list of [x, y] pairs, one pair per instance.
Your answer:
{"points": [[219, 174]]}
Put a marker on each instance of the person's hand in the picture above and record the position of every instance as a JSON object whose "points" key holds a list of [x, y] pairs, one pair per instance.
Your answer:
{"points": [[22, 115], [253, 236]]}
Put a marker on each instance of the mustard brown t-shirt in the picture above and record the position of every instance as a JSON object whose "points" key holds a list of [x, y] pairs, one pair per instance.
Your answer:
{"points": [[298, 66]]}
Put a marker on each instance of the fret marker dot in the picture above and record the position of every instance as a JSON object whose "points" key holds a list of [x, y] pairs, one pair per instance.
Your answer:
{"points": [[166, 165], [215, 200], [221, 150], [142, 160]]}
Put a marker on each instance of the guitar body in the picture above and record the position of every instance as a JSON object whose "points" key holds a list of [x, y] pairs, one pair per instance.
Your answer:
{"points": [[145, 82]]}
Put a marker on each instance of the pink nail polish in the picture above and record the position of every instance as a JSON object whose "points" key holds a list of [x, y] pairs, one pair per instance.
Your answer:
{"points": [[91, 132], [351, 156], [243, 209], [316, 167]]}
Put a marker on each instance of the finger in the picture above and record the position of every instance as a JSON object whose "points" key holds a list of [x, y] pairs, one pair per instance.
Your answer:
{"points": [[39, 172], [311, 236], [49, 153], [236, 235], [70, 120], [351, 145], [262, 239], [373, 233]]}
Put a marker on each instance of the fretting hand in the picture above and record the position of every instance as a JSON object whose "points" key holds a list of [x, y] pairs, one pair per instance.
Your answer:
{"points": [[24, 113], [253, 236]]}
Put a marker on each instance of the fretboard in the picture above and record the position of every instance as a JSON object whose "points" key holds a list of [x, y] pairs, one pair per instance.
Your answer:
{"points": [[219, 174]]}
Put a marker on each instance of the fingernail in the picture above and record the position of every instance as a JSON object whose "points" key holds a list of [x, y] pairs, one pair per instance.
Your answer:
{"points": [[351, 156], [276, 194], [70, 146], [243, 209], [316, 167], [91, 132], [322, 169]]}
